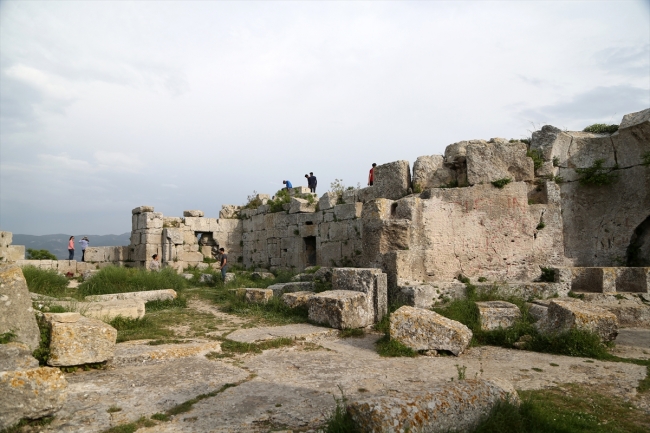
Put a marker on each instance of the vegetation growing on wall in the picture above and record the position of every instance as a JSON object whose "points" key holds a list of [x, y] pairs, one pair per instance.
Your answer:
{"points": [[601, 128], [597, 175]]}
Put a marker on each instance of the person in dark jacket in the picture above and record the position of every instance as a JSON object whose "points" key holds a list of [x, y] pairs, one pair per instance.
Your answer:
{"points": [[311, 182]]}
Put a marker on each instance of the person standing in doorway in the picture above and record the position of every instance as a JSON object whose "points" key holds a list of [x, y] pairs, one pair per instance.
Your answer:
{"points": [[71, 248], [224, 264], [311, 182], [371, 175], [84, 244]]}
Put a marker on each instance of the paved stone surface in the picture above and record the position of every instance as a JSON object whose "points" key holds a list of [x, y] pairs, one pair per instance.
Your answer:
{"points": [[139, 352], [298, 331]]}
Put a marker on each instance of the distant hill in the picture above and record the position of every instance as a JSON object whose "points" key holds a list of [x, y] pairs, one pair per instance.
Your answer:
{"points": [[58, 244]]}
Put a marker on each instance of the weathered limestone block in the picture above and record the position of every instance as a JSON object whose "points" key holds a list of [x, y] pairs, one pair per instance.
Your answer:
{"points": [[142, 209], [259, 275], [198, 224], [431, 172], [551, 143], [392, 180], [149, 295], [83, 267], [497, 314], [632, 140], [94, 254], [595, 280], [348, 211], [16, 313], [6, 238], [323, 274], [150, 220], [190, 256], [174, 236], [31, 393], [297, 299], [13, 253], [303, 277], [229, 277], [341, 309], [447, 406], [565, 315], [107, 310], [193, 213], [229, 211], [299, 205], [16, 356], [424, 295], [258, 296], [206, 278], [635, 280], [281, 288], [370, 281], [76, 340], [498, 159], [422, 329], [299, 190]]}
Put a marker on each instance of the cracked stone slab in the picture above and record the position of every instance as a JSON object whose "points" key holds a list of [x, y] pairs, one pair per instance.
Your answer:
{"points": [[138, 352], [301, 331]]}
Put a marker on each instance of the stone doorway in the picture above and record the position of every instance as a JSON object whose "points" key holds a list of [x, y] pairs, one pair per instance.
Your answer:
{"points": [[310, 250], [638, 252]]}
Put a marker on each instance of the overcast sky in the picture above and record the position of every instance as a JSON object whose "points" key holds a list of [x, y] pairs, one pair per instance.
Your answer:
{"points": [[105, 106]]}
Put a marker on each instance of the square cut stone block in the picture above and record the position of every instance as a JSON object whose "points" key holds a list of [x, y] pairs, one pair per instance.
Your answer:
{"points": [[593, 280], [341, 309], [258, 296], [297, 299], [370, 281], [564, 315], [298, 286], [422, 329], [635, 280], [497, 314], [76, 340]]}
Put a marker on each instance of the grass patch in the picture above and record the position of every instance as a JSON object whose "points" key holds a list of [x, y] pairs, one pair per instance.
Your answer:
{"points": [[45, 281], [161, 417], [601, 128], [113, 279], [352, 333], [137, 329], [536, 156], [274, 312], [500, 183], [131, 427], [7, 337], [187, 406], [340, 421], [178, 302], [391, 348], [42, 352], [236, 347], [114, 409], [570, 409], [41, 422]]}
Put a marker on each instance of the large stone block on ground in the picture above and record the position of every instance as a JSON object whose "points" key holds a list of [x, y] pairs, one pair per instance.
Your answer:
{"points": [[16, 356], [370, 281], [107, 310], [148, 295], [564, 315], [498, 159], [297, 299], [422, 329], [258, 296], [16, 313], [341, 309], [31, 393], [298, 286], [447, 406], [76, 340], [497, 314]]}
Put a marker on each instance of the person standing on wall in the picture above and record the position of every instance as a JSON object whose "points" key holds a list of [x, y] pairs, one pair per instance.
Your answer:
{"points": [[224, 264], [84, 244], [287, 184], [311, 182], [371, 175], [71, 248]]}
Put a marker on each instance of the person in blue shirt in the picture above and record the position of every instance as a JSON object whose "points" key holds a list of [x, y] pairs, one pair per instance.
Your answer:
{"points": [[84, 244], [288, 184]]}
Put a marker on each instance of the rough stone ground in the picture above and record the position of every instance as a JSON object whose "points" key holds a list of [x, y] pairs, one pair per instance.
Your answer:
{"points": [[293, 388]]}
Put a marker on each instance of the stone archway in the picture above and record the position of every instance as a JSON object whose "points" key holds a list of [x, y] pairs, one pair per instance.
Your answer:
{"points": [[638, 252]]}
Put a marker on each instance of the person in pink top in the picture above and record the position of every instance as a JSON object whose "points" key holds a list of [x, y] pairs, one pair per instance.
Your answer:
{"points": [[71, 248]]}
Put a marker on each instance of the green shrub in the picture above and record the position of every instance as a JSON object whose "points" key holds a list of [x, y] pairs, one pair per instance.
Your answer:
{"points": [[601, 128], [40, 255], [500, 183], [536, 156], [281, 198], [417, 188], [113, 279], [548, 275], [42, 352], [340, 421], [252, 201], [45, 281], [7, 337], [597, 174]]}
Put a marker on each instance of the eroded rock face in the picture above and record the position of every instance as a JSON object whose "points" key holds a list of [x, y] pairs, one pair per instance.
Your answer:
{"points": [[76, 340], [497, 314], [450, 406], [229, 211], [258, 296], [297, 299], [31, 393], [392, 180], [16, 356], [498, 159], [422, 329], [563, 315], [431, 172], [341, 309], [16, 313]]}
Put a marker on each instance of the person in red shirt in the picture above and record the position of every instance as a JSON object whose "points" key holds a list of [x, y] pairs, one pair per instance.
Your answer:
{"points": [[371, 175]]}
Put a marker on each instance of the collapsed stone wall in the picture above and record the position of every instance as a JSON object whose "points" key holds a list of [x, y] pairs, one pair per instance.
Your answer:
{"points": [[8, 252]]}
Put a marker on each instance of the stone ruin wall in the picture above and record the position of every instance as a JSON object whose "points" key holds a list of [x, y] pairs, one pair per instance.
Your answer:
{"points": [[455, 222]]}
